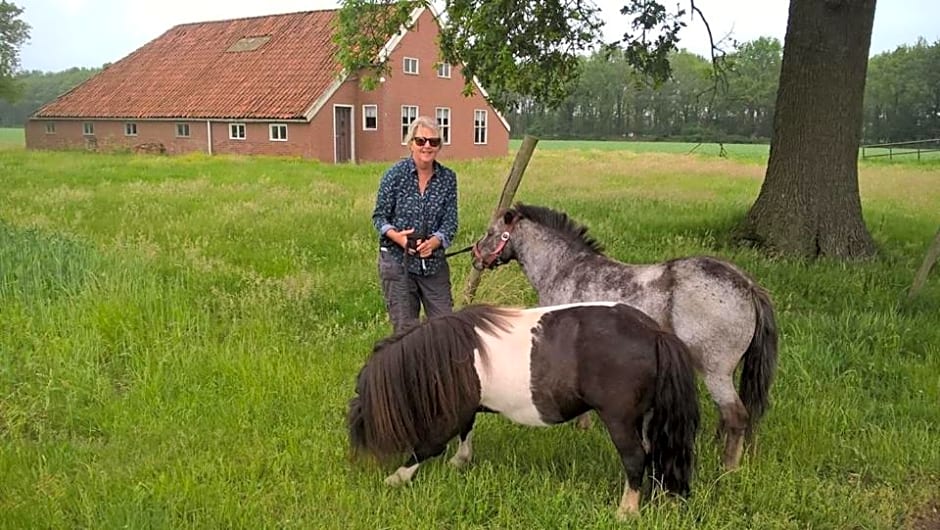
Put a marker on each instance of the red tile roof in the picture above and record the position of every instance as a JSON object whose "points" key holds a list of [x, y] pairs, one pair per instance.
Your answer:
{"points": [[188, 73]]}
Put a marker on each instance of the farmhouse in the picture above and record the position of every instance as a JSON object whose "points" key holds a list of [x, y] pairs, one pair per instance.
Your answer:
{"points": [[270, 85]]}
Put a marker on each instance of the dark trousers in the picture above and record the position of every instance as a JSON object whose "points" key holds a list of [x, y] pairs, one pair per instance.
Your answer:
{"points": [[406, 293]]}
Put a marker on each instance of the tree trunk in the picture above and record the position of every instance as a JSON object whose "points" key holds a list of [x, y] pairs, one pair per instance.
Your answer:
{"points": [[809, 204]]}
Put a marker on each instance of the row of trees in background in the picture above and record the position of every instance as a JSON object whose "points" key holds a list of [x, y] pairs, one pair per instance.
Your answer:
{"points": [[38, 88], [611, 100], [902, 94]]}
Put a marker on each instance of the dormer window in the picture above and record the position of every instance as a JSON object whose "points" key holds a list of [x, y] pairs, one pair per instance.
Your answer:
{"points": [[249, 44]]}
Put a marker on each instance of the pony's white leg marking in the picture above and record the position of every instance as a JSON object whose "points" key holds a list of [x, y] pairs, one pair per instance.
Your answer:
{"points": [[464, 452], [584, 421], [401, 476], [629, 503]]}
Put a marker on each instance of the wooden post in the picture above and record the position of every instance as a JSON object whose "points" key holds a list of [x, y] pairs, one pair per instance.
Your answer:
{"points": [[929, 259], [505, 200]]}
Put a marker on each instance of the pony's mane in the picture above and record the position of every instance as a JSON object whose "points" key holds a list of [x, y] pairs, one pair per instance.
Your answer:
{"points": [[416, 383], [559, 222]]}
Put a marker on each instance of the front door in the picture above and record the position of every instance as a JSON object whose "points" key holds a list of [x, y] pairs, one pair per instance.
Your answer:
{"points": [[342, 134]]}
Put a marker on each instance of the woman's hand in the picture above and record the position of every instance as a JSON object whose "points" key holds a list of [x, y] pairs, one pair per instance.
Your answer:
{"points": [[400, 237], [426, 246]]}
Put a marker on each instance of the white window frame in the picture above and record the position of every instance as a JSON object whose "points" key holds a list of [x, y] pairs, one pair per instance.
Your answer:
{"points": [[443, 70], [88, 128], [480, 125], [277, 132], [442, 115], [50, 127], [130, 128], [412, 61], [409, 113], [237, 131], [182, 128], [365, 117]]}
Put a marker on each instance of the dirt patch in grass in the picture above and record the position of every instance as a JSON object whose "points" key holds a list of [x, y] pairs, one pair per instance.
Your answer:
{"points": [[927, 517]]}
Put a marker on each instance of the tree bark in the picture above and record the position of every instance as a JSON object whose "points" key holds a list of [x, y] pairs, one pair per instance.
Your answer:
{"points": [[809, 203]]}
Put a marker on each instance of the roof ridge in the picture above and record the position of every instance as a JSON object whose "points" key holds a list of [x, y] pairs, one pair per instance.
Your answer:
{"points": [[253, 17]]}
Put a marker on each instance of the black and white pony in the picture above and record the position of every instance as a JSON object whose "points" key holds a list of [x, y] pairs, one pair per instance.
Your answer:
{"points": [[715, 308], [543, 366]]}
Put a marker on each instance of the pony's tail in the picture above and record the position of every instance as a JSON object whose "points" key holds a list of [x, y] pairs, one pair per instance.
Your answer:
{"points": [[760, 361], [675, 420]]}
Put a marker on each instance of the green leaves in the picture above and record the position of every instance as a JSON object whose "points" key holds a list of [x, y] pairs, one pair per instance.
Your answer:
{"points": [[902, 94], [362, 29], [655, 35], [13, 33], [520, 49], [516, 49]]}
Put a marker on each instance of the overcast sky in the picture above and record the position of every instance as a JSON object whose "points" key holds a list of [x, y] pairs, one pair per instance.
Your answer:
{"points": [[89, 33]]}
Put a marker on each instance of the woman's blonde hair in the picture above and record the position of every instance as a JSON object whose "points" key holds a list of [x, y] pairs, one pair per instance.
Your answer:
{"points": [[422, 121]]}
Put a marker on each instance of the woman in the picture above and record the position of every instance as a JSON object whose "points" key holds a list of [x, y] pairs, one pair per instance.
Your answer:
{"points": [[416, 217]]}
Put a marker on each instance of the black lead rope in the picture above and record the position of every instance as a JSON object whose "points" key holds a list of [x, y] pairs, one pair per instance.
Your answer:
{"points": [[461, 251]]}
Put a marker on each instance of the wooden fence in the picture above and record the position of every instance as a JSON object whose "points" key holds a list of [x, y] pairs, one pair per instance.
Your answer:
{"points": [[894, 149]]}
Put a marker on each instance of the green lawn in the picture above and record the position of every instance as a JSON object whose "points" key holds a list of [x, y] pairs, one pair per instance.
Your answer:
{"points": [[751, 152], [179, 337], [756, 153], [12, 138]]}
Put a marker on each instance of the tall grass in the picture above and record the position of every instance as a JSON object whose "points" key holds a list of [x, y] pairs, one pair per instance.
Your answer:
{"points": [[179, 338]]}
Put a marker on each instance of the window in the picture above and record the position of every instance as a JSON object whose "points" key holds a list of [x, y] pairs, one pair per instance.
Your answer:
{"points": [[50, 127], [248, 44], [88, 128], [370, 117], [182, 130], [443, 70], [278, 132], [479, 126], [411, 66], [130, 129], [236, 131], [443, 122], [409, 113]]}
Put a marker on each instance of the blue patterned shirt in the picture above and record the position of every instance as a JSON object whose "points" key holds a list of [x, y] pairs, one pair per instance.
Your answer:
{"points": [[401, 206]]}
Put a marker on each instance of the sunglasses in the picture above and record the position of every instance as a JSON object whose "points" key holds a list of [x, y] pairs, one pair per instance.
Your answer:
{"points": [[421, 140]]}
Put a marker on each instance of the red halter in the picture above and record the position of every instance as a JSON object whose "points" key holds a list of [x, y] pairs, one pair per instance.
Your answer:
{"points": [[494, 257]]}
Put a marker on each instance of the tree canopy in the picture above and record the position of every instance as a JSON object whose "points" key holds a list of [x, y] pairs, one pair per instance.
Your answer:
{"points": [[525, 50], [515, 48], [902, 97], [13, 33]]}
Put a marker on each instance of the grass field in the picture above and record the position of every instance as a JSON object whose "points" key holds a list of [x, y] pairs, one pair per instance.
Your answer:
{"points": [[179, 337], [12, 139]]}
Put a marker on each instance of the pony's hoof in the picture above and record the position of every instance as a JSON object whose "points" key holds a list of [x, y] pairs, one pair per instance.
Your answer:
{"points": [[626, 515], [583, 422], [459, 462], [395, 480]]}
